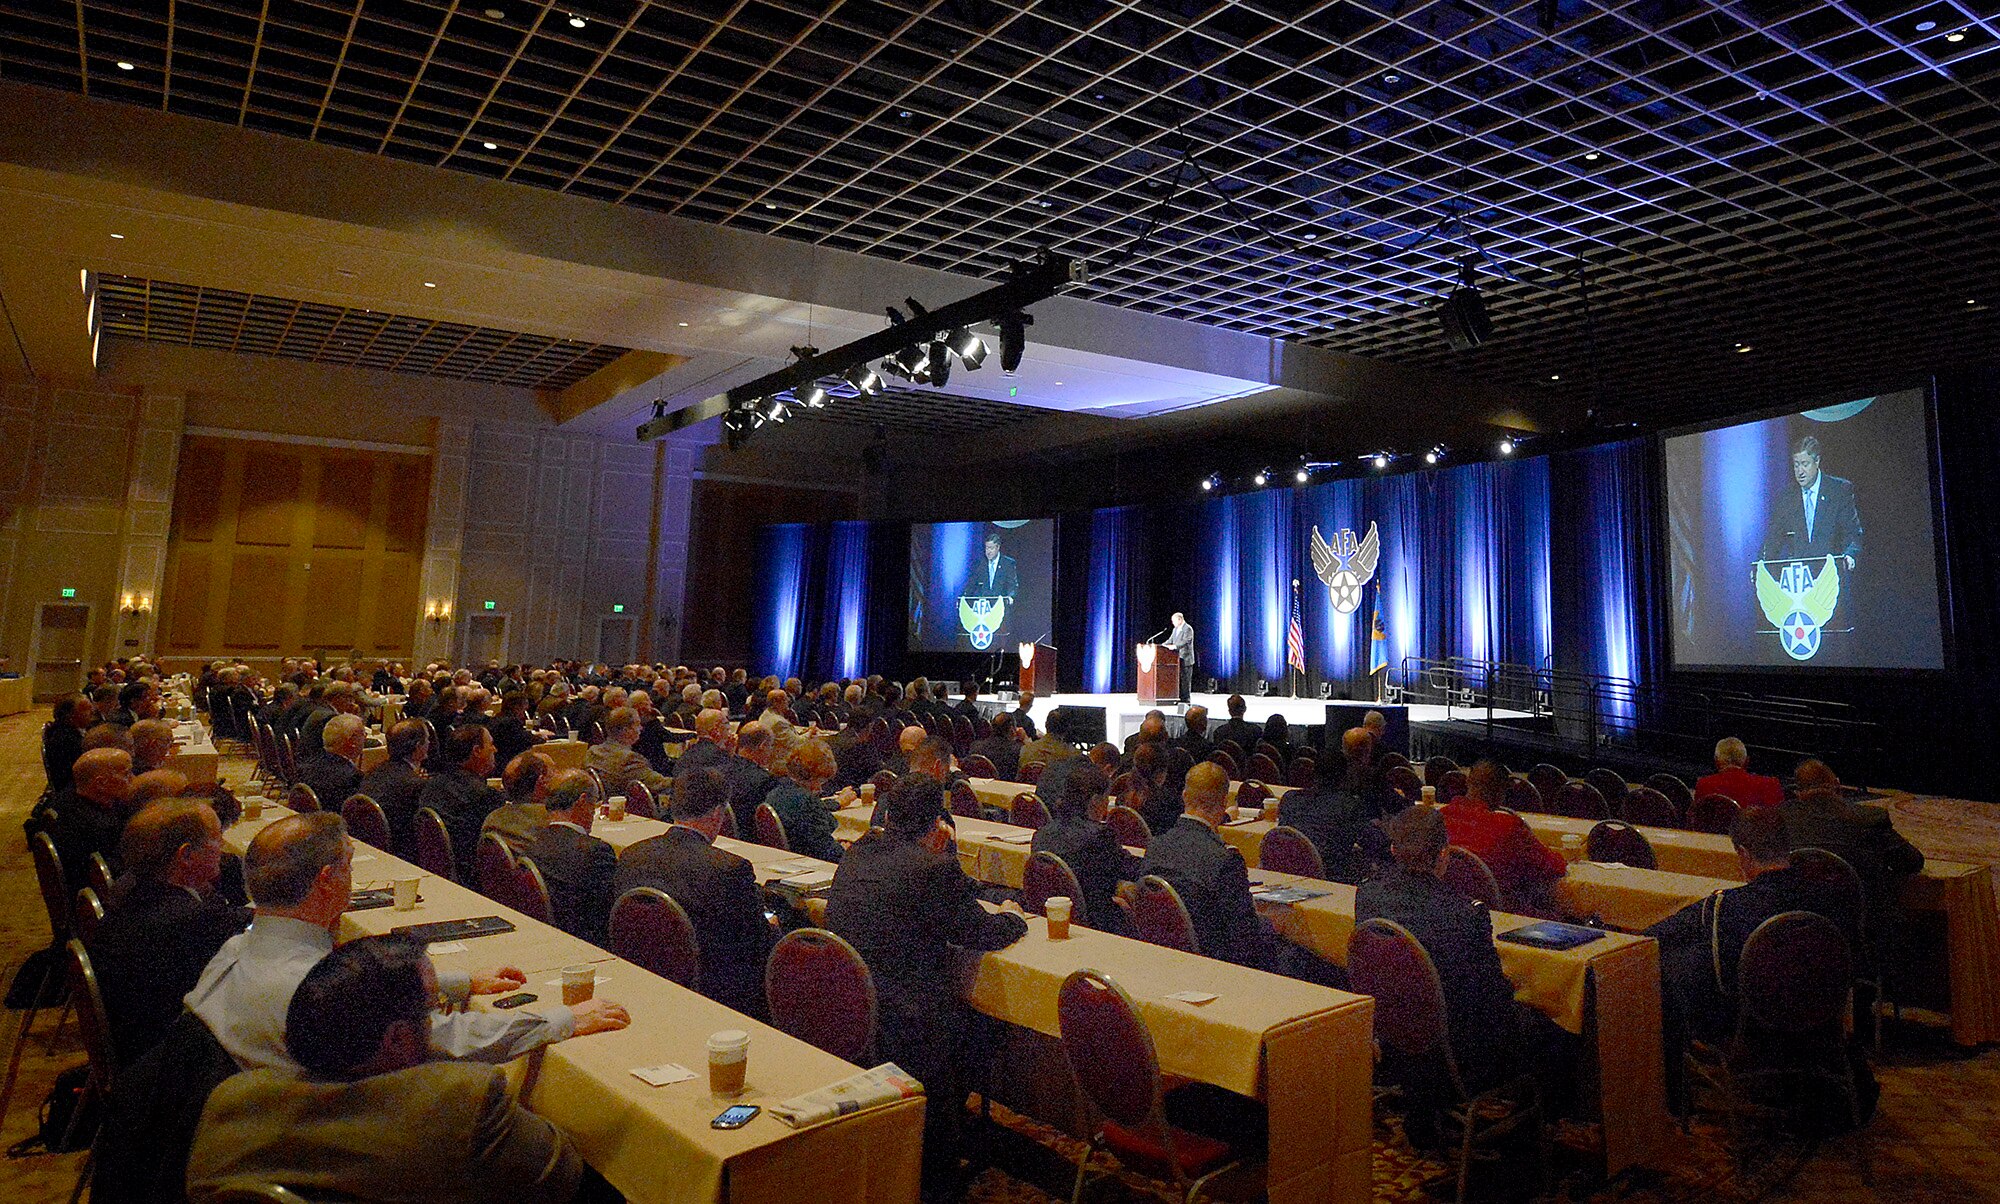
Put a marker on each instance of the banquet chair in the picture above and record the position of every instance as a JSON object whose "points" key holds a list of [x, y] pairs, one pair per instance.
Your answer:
{"points": [[86, 914], [1287, 850], [1129, 827], [1028, 811], [1675, 790], [1252, 793], [1263, 767], [1111, 1056], [493, 866], [1231, 747], [1301, 773], [432, 844], [961, 799], [880, 735], [1617, 841], [1580, 800], [254, 1193], [1436, 768], [1713, 813], [1649, 807], [1522, 795], [979, 766], [883, 779], [365, 821], [1404, 781], [1837, 876], [52, 986], [652, 931], [528, 893], [1392, 757], [1466, 872], [639, 800], [1226, 760], [1547, 780], [95, 1028], [98, 870], [1120, 782], [1032, 772], [1048, 876], [821, 992], [961, 735], [729, 827], [301, 798], [767, 829], [288, 757], [982, 727], [1610, 784], [1160, 918], [1411, 1021], [1453, 785]]}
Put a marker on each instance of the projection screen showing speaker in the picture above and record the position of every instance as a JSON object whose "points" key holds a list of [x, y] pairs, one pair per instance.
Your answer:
{"points": [[981, 587]]}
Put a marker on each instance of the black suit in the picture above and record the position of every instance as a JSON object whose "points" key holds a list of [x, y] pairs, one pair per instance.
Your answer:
{"points": [[1003, 752], [718, 890], [1864, 837], [854, 758], [463, 802], [749, 785], [312, 730], [652, 744], [1835, 524], [511, 738], [578, 869], [332, 778], [1025, 722], [82, 828], [996, 578], [1197, 747], [1336, 821], [1215, 885], [1099, 862], [62, 744], [149, 952], [1242, 733], [395, 785]]}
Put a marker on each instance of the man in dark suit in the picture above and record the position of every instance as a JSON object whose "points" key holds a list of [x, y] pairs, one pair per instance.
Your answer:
{"points": [[710, 749], [1211, 878], [397, 782], [968, 706], [1243, 733], [748, 772], [902, 901], [62, 740], [576, 866], [90, 815], [334, 772], [996, 576], [1088, 847], [459, 794], [153, 945], [1023, 718], [512, 734], [1820, 818], [1002, 748], [717, 889], [1335, 817], [1195, 739], [340, 698], [1819, 518], [652, 741]]}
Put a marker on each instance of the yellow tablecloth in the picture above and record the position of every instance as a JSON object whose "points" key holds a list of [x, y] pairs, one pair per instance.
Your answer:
{"points": [[567, 754], [998, 792], [17, 694]]}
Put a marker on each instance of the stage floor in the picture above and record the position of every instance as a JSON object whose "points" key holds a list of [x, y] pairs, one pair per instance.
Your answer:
{"points": [[1124, 712]]}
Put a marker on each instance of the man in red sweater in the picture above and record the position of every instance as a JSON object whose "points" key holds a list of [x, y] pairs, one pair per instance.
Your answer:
{"points": [[1733, 779], [1522, 865]]}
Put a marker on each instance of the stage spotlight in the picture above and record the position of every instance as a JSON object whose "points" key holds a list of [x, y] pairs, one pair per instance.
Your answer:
{"points": [[1325, 690], [969, 347], [1462, 314], [865, 379], [812, 397], [1013, 340], [1381, 460], [911, 362], [1303, 474], [1434, 455], [937, 364], [1262, 478], [1507, 446], [776, 410], [1211, 482]]}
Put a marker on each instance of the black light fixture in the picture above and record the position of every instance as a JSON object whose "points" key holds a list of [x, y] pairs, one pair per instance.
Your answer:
{"points": [[1507, 445], [1013, 340], [1211, 482], [1263, 687], [813, 397], [1434, 455], [1262, 478], [968, 347], [1381, 460], [1462, 314], [866, 381]]}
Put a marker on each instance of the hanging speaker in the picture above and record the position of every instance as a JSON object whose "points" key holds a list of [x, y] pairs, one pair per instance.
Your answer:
{"points": [[1462, 317]]}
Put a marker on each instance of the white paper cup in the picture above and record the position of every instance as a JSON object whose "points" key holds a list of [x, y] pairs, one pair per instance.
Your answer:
{"points": [[728, 1061], [867, 792], [1057, 908], [579, 983], [1430, 794], [406, 893], [614, 808], [253, 807], [1572, 847]]}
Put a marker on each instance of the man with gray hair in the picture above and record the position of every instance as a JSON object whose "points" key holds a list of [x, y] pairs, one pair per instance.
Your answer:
{"points": [[152, 744], [334, 773], [617, 763], [1732, 778], [300, 873], [340, 698]]}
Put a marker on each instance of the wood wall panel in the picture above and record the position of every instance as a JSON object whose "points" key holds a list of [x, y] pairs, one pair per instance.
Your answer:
{"points": [[185, 625], [396, 601], [254, 615], [267, 497], [334, 589], [346, 496], [409, 505], [198, 491]]}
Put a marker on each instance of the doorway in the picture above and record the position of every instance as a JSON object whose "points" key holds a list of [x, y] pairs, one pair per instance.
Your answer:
{"points": [[62, 636], [485, 640], [615, 639]]}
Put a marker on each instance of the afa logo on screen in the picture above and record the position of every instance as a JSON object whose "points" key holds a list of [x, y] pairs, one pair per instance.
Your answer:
{"points": [[1799, 601], [981, 618]]}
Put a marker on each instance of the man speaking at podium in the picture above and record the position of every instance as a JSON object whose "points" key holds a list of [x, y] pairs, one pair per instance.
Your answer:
{"points": [[1181, 641], [997, 576], [1819, 518]]}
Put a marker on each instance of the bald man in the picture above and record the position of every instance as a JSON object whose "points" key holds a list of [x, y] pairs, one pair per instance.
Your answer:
{"points": [[1211, 878], [90, 815]]}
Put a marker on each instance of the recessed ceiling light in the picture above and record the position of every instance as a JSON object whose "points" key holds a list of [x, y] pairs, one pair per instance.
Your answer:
{"points": [[770, 205], [680, 323], [1744, 348], [1956, 35], [576, 22], [123, 65], [1926, 26], [1310, 236], [496, 14], [1392, 78], [903, 113], [1555, 376], [1046, 203], [1059, 382], [1968, 300], [490, 145], [1590, 155], [430, 284], [121, 236]]}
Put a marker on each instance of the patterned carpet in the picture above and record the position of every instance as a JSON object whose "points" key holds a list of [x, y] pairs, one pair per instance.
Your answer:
{"points": [[1936, 1136]]}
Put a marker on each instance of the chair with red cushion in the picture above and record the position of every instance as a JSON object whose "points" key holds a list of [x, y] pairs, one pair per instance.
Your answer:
{"points": [[301, 798], [1677, 791], [768, 829], [1129, 827], [1713, 813], [365, 821], [1610, 784], [982, 727], [1389, 758], [1032, 772], [1028, 811], [1436, 768], [1301, 772], [883, 737], [651, 931], [1405, 782], [1046, 877], [1453, 785], [639, 800], [1252, 793], [821, 992], [1160, 918], [1580, 800], [962, 799], [1548, 779], [1837, 876], [883, 779], [1228, 762], [432, 841], [1263, 767], [1290, 851], [1617, 841], [1466, 872], [1412, 1023], [979, 766], [1649, 807], [1111, 1056], [1236, 754], [961, 735], [1522, 795], [493, 867], [529, 893]]}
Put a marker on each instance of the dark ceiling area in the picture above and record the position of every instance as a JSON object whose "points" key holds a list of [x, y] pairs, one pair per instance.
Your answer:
{"points": [[1673, 208]]}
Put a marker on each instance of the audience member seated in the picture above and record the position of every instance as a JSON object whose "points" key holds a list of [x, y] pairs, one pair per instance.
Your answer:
{"points": [[1522, 866], [968, 703], [1023, 718], [369, 1115], [334, 772], [717, 889], [108, 735], [748, 772], [576, 866], [1195, 739], [615, 761], [783, 725], [167, 923], [1003, 748], [1238, 730], [62, 740], [1152, 730], [712, 743], [136, 700], [1278, 735], [339, 698], [1821, 818], [1493, 1037], [90, 815], [1051, 748], [809, 823], [398, 782], [522, 819], [152, 744], [902, 901], [512, 734], [1147, 791], [1336, 818], [104, 700], [652, 741], [458, 792], [1732, 778], [1086, 844], [300, 870]]}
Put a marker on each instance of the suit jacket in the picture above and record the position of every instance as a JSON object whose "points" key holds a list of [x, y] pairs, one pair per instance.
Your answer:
{"points": [[1198, 747], [1519, 862], [1181, 640], [620, 767], [395, 787], [511, 738], [718, 890], [62, 744], [155, 1108], [652, 744], [149, 952], [749, 784], [1870, 843], [312, 731], [82, 828], [1243, 732], [438, 1133], [809, 826], [998, 578], [332, 778], [1215, 885], [1025, 722], [463, 802], [1457, 933], [1004, 753], [903, 909], [1749, 789], [577, 868], [1337, 822], [1836, 522], [854, 758], [1099, 862], [519, 824]]}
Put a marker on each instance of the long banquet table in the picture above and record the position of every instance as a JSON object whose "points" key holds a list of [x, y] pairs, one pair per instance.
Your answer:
{"points": [[17, 694]]}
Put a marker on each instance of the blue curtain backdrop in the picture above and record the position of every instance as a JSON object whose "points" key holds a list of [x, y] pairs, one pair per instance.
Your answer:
{"points": [[1115, 601], [1606, 536], [813, 605], [784, 567]]}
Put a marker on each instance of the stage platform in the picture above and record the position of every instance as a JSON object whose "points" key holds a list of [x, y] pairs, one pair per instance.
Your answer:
{"points": [[1124, 712]]}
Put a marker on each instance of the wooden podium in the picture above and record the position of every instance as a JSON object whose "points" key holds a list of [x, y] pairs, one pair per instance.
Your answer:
{"points": [[1159, 673], [1038, 669]]}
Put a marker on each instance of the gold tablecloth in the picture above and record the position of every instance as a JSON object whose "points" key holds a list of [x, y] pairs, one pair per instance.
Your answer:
{"points": [[998, 792], [17, 694]]}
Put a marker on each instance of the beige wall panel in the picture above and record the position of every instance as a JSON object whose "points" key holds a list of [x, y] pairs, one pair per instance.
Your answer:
{"points": [[198, 496], [254, 619], [396, 605], [333, 600], [185, 625], [346, 487], [267, 513], [409, 502]]}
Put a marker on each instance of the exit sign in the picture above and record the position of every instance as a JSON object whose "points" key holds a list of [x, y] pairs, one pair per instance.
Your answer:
{"points": [[69, 592], [488, 604], [617, 608]]}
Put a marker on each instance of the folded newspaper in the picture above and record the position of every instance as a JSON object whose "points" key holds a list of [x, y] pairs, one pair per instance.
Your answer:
{"points": [[885, 1084]]}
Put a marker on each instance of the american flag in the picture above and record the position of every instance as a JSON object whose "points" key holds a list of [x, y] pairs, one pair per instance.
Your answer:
{"points": [[1295, 635]]}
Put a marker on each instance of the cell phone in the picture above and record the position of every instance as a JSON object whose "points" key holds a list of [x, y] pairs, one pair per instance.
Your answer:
{"points": [[514, 1001], [735, 1116]]}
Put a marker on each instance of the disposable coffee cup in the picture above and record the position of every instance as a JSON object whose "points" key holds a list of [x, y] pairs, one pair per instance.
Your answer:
{"points": [[1430, 794], [1270, 812], [1056, 907], [579, 983], [253, 807], [1247, 814], [1572, 847], [406, 893], [614, 808], [728, 1059], [867, 792]]}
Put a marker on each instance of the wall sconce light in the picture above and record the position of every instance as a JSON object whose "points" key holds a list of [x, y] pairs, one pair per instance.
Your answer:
{"points": [[437, 611], [135, 604]]}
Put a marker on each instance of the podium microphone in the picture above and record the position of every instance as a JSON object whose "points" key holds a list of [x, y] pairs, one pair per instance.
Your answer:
{"points": [[1155, 637]]}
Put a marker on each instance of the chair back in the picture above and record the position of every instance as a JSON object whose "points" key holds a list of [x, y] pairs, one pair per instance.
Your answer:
{"points": [[767, 829], [961, 798], [55, 889], [1609, 783], [301, 798], [365, 821], [1453, 785], [1252, 793], [1435, 769], [288, 757], [529, 893], [493, 867], [978, 765], [1129, 827], [650, 930], [1677, 791], [1391, 758], [1466, 872], [639, 800], [1405, 782], [1227, 760], [883, 737], [1302, 772], [1614, 840], [91, 1021], [961, 735], [87, 914], [1160, 918], [883, 779], [1835, 875], [1522, 795], [1384, 960], [1547, 779], [1049, 876], [729, 827], [1028, 811], [1650, 807], [1713, 813], [1580, 800], [1795, 974], [1263, 767], [1108, 1048], [1233, 749], [1032, 772], [1290, 851], [821, 992], [432, 844]]}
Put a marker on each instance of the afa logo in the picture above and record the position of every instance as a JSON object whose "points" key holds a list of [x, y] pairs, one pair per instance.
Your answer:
{"points": [[1345, 565], [981, 618], [1798, 602]]}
